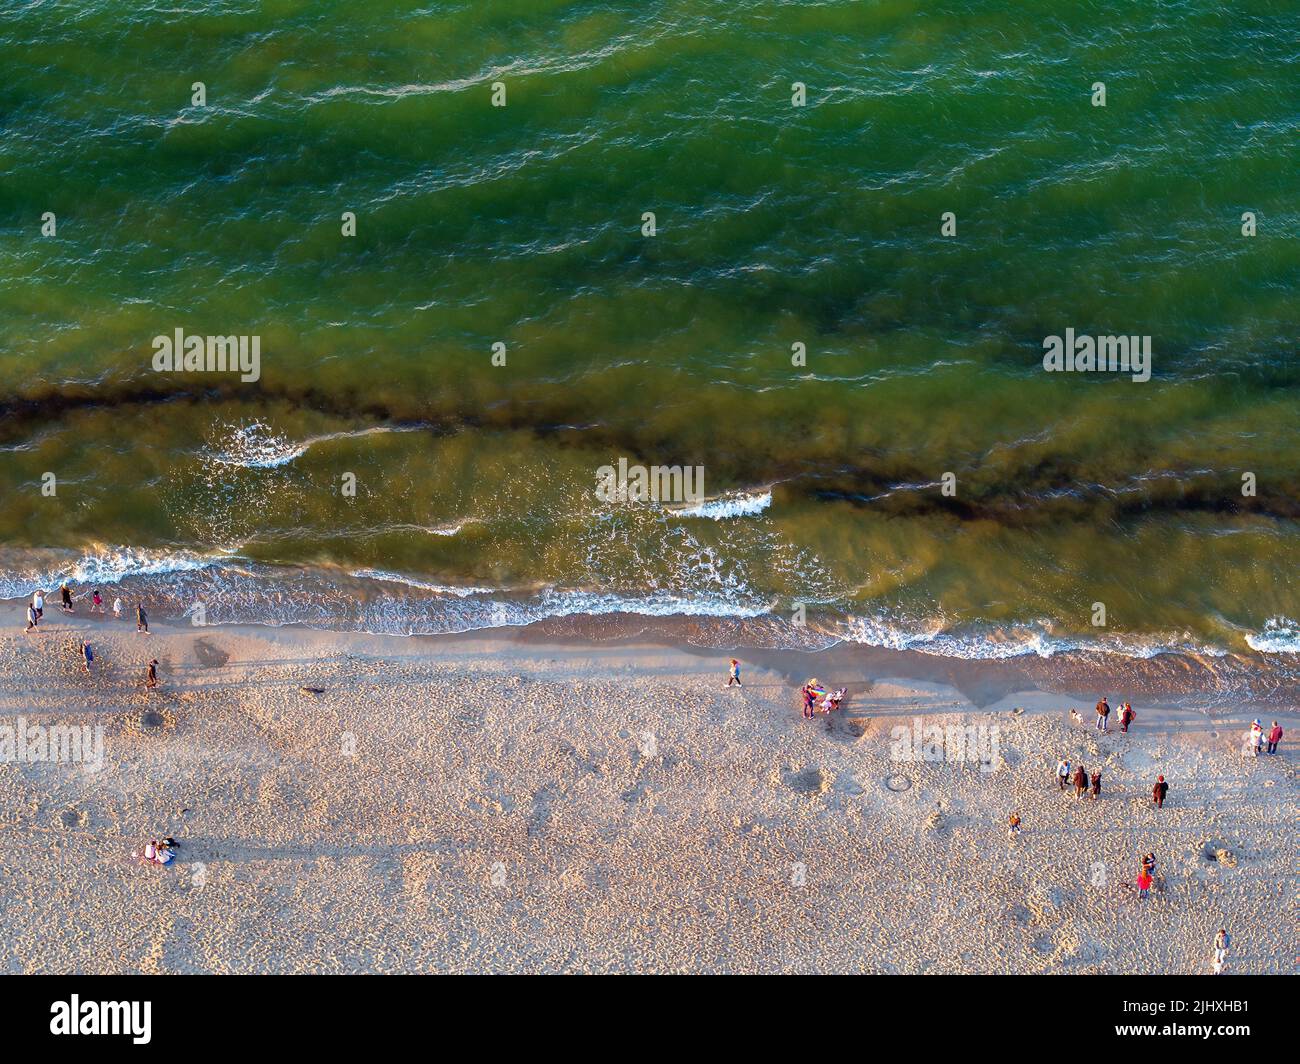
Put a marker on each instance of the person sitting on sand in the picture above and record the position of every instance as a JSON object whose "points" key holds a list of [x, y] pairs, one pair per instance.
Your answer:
{"points": [[160, 852], [832, 700]]}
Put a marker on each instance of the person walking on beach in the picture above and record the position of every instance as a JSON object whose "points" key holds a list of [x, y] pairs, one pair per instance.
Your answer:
{"points": [[96, 602], [1222, 943], [1013, 827], [87, 656], [1256, 737], [32, 619], [733, 679], [1274, 737], [117, 608], [141, 620], [1103, 713], [1080, 781], [1159, 791], [809, 700], [38, 604], [1144, 883], [1096, 786], [1062, 774], [151, 680], [1126, 716], [66, 592]]}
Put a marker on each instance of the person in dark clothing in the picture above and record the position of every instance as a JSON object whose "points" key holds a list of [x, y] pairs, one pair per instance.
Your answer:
{"points": [[67, 598], [1096, 786], [141, 621], [152, 679], [1080, 781], [1126, 716], [1103, 713], [1159, 791]]}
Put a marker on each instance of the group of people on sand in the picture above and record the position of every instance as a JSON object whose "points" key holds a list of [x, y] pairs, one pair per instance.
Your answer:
{"points": [[158, 851], [1125, 715], [1078, 775], [1257, 736], [818, 699], [36, 608]]}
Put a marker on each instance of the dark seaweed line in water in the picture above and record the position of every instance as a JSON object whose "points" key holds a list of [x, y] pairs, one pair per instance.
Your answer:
{"points": [[1044, 491]]}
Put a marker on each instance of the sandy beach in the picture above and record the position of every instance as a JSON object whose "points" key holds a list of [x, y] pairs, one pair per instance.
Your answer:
{"points": [[508, 804]]}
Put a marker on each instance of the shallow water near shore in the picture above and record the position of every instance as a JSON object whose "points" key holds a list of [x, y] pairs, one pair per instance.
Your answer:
{"points": [[775, 226]]}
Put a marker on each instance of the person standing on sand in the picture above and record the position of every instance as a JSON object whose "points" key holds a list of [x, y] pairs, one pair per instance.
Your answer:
{"points": [[1126, 716], [733, 680], [1080, 781], [117, 608], [1062, 774], [1096, 786], [96, 602], [66, 592], [1274, 737], [1103, 713], [151, 680], [1256, 737], [38, 603], [1222, 943], [1144, 883], [87, 657], [1013, 827], [141, 620], [1159, 791], [32, 619]]}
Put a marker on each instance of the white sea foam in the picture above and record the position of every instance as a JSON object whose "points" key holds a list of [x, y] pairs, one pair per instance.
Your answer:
{"points": [[739, 505], [1280, 635]]}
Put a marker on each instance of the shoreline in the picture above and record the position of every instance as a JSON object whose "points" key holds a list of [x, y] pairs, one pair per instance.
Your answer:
{"points": [[1250, 681]]}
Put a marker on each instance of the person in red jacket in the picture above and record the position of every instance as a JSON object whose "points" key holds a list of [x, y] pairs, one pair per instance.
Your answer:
{"points": [[1159, 791], [1274, 737], [1144, 883], [1126, 716]]}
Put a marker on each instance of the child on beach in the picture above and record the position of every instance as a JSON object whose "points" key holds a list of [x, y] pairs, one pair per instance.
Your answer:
{"points": [[1256, 737], [1144, 883], [96, 602], [733, 679], [117, 608]]}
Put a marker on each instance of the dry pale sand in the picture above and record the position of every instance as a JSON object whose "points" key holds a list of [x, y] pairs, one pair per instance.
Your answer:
{"points": [[496, 806]]}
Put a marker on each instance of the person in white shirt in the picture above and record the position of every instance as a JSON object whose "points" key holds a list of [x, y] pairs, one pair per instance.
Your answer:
{"points": [[1062, 773], [117, 607]]}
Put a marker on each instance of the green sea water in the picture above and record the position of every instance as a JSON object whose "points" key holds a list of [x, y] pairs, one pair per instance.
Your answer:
{"points": [[775, 225]]}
